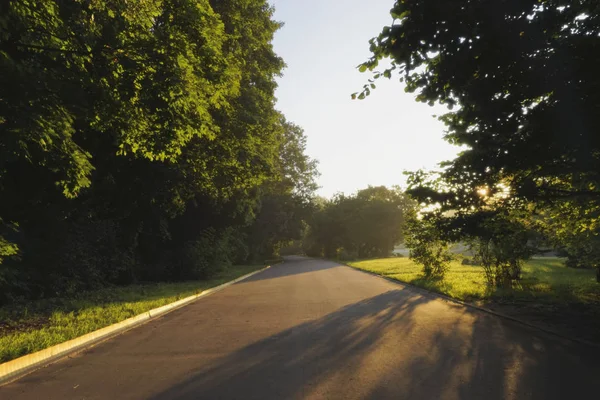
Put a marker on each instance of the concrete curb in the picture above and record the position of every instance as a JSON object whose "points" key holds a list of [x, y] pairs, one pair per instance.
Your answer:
{"points": [[17, 368], [470, 305]]}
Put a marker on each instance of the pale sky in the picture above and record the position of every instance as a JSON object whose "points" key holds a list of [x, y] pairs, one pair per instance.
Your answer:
{"points": [[358, 143]]}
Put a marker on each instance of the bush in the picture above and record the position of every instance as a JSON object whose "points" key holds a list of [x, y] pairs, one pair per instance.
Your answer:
{"points": [[206, 256], [433, 256], [501, 269], [92, 254], [427, 248], [237, 250], [583, 254], [577, 263], [501, 247], [346, 255]]}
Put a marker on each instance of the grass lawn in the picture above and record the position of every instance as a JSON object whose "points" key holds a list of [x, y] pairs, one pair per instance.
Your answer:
{"points": [[545, 281], [27, 328]]}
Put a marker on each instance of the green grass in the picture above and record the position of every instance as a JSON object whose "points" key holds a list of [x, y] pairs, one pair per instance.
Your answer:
{"points": [[545, 280], [27, 328]]}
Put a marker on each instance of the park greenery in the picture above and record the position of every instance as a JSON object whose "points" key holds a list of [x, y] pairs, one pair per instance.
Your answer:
{"points": [[545, 281], [140, 148], [139, 142], [520, 81]]}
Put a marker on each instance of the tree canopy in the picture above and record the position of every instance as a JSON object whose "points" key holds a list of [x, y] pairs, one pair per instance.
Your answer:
{"points": [[521, 83], [522, 78], [138, 140]]}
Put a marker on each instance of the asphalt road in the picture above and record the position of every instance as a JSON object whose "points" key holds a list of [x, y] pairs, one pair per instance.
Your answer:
{"points": [[311, 329]]}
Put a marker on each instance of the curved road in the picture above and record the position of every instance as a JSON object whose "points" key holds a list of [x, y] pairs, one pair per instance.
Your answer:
{"points": [[311, 329]]}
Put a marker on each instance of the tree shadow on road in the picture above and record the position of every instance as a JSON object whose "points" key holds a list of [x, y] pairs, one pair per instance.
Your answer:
{"points": [[399, 346]]}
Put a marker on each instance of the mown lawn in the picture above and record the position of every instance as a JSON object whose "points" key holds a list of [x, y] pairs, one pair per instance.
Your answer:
{"points": [[545, 281], [26, 328]]}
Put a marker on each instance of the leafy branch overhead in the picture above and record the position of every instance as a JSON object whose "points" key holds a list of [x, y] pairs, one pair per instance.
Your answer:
{"points": [[520, 80]]}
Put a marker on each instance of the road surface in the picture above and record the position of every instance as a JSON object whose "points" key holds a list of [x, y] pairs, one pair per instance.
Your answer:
{"points": [[311, 329]]}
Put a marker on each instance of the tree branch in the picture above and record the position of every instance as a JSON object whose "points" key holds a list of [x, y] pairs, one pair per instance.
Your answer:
{"points": [[573, 193], [53, 49]]}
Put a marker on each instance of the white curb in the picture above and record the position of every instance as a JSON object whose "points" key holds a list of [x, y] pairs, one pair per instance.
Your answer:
{"points": [[14, 369]]}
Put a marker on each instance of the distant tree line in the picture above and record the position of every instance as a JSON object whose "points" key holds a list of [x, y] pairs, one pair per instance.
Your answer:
{"points": [[139, 142], [369, 223]]}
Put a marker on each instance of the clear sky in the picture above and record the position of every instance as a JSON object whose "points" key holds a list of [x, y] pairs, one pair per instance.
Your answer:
{"points": [[358, 143]]}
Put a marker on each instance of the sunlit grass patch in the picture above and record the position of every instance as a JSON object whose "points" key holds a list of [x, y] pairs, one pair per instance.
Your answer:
{"points": [[544, 280]]}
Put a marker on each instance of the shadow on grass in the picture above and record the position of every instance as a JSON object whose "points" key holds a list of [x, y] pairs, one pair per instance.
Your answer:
{"points": [[389, 347]]}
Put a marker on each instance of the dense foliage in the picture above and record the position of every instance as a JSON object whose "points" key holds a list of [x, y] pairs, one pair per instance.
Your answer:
{"points": [[427, 246], [367, 224], [139, 141], [520, 78]]}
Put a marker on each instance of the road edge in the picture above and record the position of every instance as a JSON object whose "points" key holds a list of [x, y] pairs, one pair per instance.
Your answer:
{"points": [[474, 306], [15, 369]]}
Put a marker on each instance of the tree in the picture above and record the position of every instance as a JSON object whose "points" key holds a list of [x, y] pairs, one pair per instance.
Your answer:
{"points": [[522, 76], [366, 224], [90, 88], [135, 138], [520, 79], [286, 201], [574, 225]]}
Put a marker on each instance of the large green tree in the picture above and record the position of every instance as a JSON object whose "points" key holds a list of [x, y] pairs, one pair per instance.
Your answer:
{"points": [[131, 133], [520, 79]]}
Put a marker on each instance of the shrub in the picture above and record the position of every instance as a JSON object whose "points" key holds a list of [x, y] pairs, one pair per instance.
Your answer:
{"points": [[427, 247], [346, 255], [92, 254], [206, 256], [585, 255], [501, 247], [236, 248]]}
